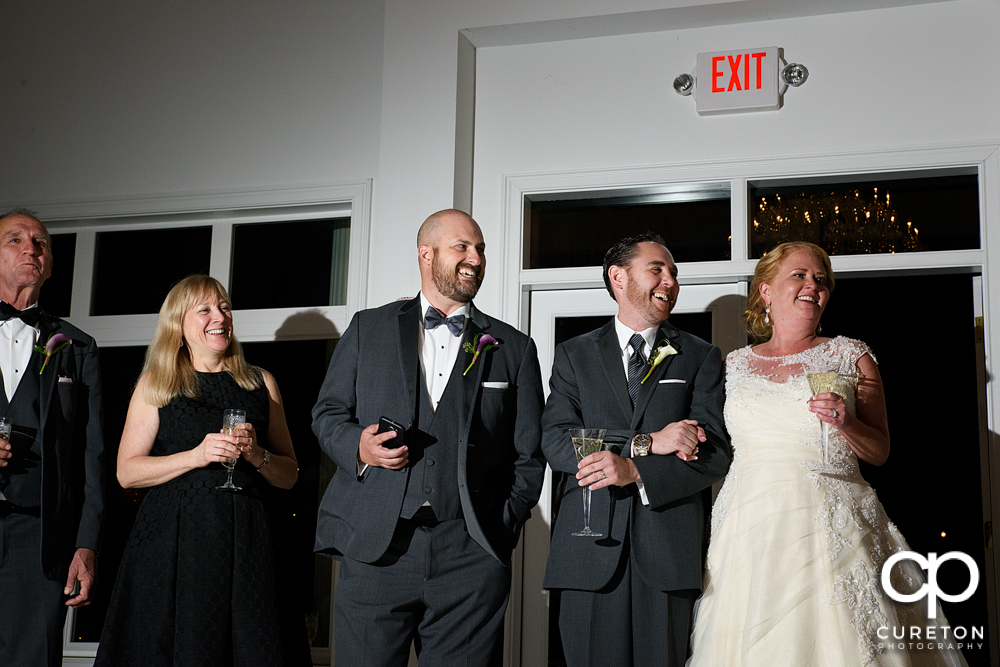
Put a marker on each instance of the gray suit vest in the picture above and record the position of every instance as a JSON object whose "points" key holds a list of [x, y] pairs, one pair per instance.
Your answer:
{"points": [[433, 454]]}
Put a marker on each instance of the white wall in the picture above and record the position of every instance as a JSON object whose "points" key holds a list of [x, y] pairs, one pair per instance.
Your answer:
{"points": [[122, 99], [112, 99]]}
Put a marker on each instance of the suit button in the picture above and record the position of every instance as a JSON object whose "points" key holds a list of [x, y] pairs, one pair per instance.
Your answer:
{"points": [[428, 489], [430, 462]]}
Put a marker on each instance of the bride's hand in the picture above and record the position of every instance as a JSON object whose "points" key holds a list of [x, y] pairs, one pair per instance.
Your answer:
{"points": [[830, 408]]}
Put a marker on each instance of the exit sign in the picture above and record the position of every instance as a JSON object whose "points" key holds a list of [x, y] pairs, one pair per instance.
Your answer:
{"points": [[737, 81]]}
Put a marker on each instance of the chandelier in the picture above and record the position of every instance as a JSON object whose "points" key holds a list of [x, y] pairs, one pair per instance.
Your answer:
{"points": [[842, 223]]}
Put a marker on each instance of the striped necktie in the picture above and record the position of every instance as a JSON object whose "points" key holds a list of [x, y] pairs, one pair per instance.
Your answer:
{"points": [[636, 365]]}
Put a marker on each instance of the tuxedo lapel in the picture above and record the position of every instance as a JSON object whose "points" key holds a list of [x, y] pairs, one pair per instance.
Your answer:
{"points": [[409, 353], [669, 333], [47, 381], [611, 359], [471, 382]]}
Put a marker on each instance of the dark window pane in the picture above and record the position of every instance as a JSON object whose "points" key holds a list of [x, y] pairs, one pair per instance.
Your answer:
{"points": [[319, 245], [57, 293], [860, 218], [134, 270], [578, 232]]}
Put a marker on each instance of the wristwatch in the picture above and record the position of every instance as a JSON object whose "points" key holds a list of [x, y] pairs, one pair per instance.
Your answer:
{"points": [[267, 459], [641, 443]]}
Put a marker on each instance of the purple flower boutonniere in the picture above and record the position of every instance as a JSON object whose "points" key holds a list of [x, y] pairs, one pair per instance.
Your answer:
{"points": [[55, 343], [656, 357], [482, 343]]}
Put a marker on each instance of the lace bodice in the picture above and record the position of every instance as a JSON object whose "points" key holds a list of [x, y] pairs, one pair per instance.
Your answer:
{"points": [[839, 355], [766, 397]]}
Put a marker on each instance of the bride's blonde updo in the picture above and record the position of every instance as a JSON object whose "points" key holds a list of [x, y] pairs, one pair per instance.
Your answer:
{"points": [[766, 271]]}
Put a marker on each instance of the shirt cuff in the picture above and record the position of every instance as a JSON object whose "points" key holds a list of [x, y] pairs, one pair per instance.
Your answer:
{"points": [[642, 491], [362, 467]]}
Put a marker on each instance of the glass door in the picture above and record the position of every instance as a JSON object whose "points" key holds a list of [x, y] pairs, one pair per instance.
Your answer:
{"points": [[711, 312]]}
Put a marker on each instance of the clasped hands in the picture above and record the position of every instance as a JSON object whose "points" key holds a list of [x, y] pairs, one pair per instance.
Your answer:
{"points": [[608, 469], [221, 447]]}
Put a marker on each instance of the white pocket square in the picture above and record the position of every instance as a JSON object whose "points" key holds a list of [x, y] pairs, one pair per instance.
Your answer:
{"points": [[495, 385], [63, 378], [673, 381]]}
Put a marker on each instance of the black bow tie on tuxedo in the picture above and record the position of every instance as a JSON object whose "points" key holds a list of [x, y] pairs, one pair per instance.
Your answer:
{"points": [[29, 316], [434, 319]]}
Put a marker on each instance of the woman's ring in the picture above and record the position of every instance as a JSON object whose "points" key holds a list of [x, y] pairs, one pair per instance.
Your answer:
{"points": [[835, 413]]}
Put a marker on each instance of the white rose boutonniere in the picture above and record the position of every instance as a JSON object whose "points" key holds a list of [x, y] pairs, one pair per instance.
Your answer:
{"points": [[662, 350]]}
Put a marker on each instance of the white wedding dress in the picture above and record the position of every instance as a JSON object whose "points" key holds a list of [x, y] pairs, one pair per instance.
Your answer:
{"points": [[794, 564]]}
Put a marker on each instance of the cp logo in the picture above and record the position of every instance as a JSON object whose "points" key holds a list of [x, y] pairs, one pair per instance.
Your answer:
{"points": [[930, 589]]}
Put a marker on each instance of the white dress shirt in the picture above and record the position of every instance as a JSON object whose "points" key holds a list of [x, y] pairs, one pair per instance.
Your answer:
{"points": [[17, 340], [439, 350], [624, 336]]}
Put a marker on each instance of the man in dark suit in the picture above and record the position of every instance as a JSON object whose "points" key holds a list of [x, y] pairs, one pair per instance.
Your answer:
{"points": [[424, 528], [626, 598], [51, 466]]}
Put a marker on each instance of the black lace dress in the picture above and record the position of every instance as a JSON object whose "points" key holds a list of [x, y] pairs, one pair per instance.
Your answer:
{"points": [[197, 582]]}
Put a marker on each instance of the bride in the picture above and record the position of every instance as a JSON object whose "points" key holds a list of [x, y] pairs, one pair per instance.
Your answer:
{"points": [[797, 549]]}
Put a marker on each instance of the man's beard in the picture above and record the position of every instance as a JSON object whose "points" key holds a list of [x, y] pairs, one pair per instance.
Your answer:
{"points": [[451, 286], [640, 301]]}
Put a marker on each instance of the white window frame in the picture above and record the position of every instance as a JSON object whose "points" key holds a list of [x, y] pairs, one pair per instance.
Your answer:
{"points": [[220, 212]]}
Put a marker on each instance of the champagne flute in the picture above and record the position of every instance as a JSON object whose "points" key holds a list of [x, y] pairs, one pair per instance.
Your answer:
{"points": [[820, 382], [312, 627], [231, 418], [586, 441]]}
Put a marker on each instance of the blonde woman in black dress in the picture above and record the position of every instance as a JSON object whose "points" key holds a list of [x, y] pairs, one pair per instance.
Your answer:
{"points": [[197, 581]]}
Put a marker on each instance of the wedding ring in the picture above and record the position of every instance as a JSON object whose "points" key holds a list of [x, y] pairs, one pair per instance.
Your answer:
{"points": [[835, 413], [604, 475]]}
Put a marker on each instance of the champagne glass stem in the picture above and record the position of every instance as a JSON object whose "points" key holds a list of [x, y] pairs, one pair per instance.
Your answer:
{"points": [[826, 443], [586, 510]]}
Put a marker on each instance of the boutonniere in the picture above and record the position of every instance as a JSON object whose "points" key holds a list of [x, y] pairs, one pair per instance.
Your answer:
{"points": [[55, 343], [663, 350], [481, 343]]}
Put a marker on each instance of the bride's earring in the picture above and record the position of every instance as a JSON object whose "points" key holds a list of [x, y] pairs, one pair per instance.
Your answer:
{"points": [[767, 315]]}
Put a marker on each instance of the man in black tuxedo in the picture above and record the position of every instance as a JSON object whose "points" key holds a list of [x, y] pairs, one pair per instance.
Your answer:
{"points": [[51, 466], [627, 597], [424, 527]]}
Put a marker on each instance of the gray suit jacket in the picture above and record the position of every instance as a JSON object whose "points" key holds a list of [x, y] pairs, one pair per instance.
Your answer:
{"points": [[72, 435], [374, 373], [667, 537]]}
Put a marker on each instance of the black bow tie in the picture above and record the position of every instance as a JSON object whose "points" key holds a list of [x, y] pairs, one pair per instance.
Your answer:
{"points": [[29, 316], [434, 319]]}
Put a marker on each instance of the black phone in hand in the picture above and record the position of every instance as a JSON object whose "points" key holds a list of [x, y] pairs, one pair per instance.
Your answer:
{"points": [[384, 426]]}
